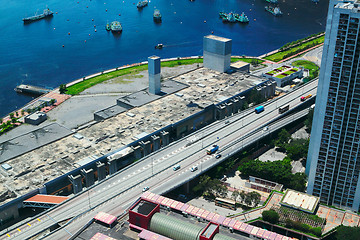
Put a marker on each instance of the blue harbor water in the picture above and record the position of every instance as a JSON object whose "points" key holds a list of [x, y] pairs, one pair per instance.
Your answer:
{"points": [[65, 47]]}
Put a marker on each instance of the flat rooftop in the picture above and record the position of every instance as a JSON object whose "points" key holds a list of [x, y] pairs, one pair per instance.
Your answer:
{"points": [[56, 151], [301, 201]]}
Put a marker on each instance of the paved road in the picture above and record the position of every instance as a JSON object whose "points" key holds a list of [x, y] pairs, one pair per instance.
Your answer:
{"points": [[155, 171]]}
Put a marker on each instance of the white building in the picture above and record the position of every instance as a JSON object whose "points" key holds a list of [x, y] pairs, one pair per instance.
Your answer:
{"points": [[333, 163]]}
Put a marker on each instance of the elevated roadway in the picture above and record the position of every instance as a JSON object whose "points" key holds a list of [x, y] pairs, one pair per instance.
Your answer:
{"points": [[116, 193]]}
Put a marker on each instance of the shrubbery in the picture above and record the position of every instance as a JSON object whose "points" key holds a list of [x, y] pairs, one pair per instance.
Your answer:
{"points": [[270, 216]]}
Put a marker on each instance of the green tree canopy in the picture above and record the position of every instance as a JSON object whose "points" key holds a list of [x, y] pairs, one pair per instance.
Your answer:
{"points": [[270, 216], [347, 233]]}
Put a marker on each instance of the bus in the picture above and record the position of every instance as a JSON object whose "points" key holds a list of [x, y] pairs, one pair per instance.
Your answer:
{"points": [[283, 109], [212, 150], [259, 109], [225, 203]]}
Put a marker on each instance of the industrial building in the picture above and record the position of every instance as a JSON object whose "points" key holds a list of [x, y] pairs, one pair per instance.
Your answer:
{"points": [[62, 161], [333, 163]]}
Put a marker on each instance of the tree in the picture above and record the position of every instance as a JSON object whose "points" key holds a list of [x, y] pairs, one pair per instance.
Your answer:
{"points": [[309, 119], [52, 101], [283, 138], [248, 199], [255, 197], [242, 196], [270, 216], [235, 195], [62, 88], [13, 120], [11, 115], [297, 148], [348, 233], [22, 112]]}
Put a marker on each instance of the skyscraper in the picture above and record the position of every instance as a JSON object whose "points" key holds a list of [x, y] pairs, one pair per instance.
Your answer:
{"points": [[333, 163]]}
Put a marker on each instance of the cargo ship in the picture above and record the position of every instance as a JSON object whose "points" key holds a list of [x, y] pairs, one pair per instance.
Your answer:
{"points": [[142, 4], [46, 13], [157, 15], [233, 17], [115, 26], [274, 11]]}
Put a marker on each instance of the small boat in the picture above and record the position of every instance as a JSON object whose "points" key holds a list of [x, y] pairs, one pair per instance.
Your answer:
{"points": [[115, 26], [315, 1], [157, 15], [142, 4], [46, 13], [107, 27], [159, 46], [272, 1], [274, 11], [230, 18], [243, 18]]}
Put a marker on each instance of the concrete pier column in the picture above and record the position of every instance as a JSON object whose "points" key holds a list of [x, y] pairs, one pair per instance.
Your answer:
{"points": [[112, 166], [164, 138], [154, 74], [146, 146], [235, 102], [89, 176], [229, 109], [101, 171], [155, 142], [220, 114], [137, 152], [217, 53], [76, 183]]}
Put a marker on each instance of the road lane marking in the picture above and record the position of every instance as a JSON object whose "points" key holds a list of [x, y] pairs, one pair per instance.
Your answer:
{"points": [[38, 219], [8, 235], [19, 230], [29, 224]]}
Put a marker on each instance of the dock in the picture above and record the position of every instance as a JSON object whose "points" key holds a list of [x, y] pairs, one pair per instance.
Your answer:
{"points": [[32, 90]]}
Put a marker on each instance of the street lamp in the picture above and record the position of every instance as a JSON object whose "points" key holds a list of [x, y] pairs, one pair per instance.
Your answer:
{"points": [[89, 198]]}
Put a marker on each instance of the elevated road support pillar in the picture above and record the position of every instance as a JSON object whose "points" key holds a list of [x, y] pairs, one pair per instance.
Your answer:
{"points": [[89, 176], [137, 152], [155, 143], [112, 166], [164, 138], [146, 146], [101, 171], [76, 183]]}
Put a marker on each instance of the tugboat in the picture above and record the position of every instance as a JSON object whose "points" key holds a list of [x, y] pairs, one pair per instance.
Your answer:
{"points": [[274, 11], [107, 27], [142, 4], [115, 26], [46, 13], [159, 46], [157, 15], [243, 18]]}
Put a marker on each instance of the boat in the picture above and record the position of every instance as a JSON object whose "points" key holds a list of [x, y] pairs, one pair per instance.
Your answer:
{"points": [[46, 13], [142, 4], [315, 1], [233, 17], [272, 1], [274, 11], [107, 27], [243, 18], [230, 17], [157, 15], [32, 90], [159, 46], [115, 26]]}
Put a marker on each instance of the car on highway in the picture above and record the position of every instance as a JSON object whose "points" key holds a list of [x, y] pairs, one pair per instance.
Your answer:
{"points": [[218, 156], [194, 168], [145, 189], [176, 167]]}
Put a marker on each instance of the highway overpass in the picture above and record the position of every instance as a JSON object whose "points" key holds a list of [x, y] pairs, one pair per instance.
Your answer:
{"points": [[116, 193]]}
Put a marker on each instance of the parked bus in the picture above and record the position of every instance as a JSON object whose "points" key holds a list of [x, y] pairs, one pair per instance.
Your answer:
{"points": [[283, 109], [259, 109], [225, 203]]}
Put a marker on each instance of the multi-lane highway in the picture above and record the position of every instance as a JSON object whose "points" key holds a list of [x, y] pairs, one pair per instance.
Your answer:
{"points": [[155, 171]]}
